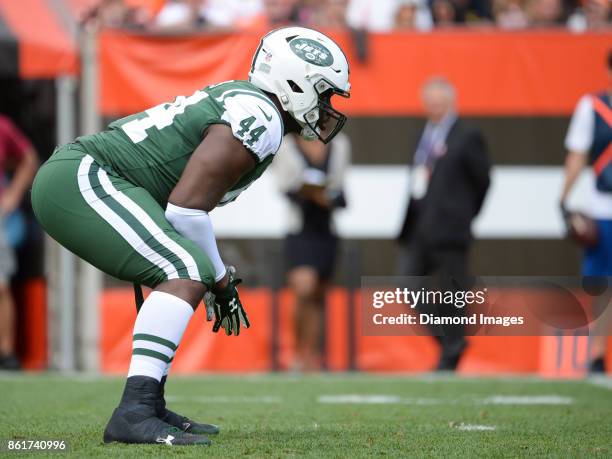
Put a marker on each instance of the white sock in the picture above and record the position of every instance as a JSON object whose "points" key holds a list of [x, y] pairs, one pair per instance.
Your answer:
{"points": [[158, 330], [167, 370]]}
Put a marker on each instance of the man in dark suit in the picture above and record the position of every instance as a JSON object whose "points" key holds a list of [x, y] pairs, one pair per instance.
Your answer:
{"points": [[449, 181]]}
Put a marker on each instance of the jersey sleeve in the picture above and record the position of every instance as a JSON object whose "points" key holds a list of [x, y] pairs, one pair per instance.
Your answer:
{"points": [[255, 122], [579, 136]]}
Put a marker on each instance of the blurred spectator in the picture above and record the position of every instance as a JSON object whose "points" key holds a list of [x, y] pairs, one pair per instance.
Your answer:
{"points": [[443, 13], [276, 13], [328, 13], [380, 16], [544, 13], [117, 14], [311, 175], [449, 180], [405, 15], [112, 13], [231, 13], [361, 15], [281, 12], [471, 11], [510, 14], [594, 15], [589, 140], [18, 155], [598, 14], [311, 12], [179, 15]]}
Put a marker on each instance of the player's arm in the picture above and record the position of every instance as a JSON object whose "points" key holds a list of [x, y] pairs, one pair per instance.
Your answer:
{"points": [[217, 163]]}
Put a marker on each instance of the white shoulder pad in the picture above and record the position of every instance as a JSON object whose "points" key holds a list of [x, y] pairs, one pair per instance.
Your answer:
{"points": [[255, 122]]}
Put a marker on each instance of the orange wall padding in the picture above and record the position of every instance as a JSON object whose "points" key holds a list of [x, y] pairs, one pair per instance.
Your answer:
{"points": [[496, 73], [202, 350], [45, 48], [31, 303]]}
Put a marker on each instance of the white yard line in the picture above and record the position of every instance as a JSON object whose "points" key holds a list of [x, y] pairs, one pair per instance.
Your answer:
{"points": [[363, 399], [379, 399], [390, 399], [474, 427], [528, 400], [600, 381]]}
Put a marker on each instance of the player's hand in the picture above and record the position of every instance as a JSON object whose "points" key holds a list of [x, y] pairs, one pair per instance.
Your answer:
{"points": [[227, 307], [209, 296]]}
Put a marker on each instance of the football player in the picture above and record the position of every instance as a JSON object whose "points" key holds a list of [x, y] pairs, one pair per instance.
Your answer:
{"points": [[134, 201]]}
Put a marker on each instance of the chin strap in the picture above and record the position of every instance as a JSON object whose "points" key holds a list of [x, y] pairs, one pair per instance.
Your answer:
{"points": [[308, 134]]}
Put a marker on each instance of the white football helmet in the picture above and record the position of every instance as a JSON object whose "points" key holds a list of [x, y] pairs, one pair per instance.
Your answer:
{"points": [[304, 69]]}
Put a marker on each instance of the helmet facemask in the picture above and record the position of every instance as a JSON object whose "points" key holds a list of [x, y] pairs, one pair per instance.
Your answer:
{"points": [[323, 121], [304, 69]]}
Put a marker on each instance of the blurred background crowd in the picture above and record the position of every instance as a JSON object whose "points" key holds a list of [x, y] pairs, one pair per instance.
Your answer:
{"points": [[380, 16]]}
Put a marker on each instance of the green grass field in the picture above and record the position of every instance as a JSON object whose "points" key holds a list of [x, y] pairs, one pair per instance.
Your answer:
{"points": [[329, 415]]}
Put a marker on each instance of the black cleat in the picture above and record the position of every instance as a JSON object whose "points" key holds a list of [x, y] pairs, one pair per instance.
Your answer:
{"points": [[452, 351], [176, 420], [136, 425], [9, 362], [135, 420], [597, 366], [187, 425]]}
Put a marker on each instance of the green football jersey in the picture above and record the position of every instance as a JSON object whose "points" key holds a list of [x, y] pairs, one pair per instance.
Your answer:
{"points": [[152, 148]]}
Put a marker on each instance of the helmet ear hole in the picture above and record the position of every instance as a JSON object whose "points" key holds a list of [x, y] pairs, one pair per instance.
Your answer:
{"points": [[295, 87]]}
